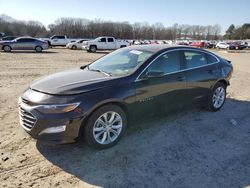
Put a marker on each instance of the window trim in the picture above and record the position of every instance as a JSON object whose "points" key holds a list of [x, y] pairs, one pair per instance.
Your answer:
{"points": [[185, 69]]}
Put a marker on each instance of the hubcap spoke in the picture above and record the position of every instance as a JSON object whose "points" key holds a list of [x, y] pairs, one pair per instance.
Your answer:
{"points": [[104, 137]]}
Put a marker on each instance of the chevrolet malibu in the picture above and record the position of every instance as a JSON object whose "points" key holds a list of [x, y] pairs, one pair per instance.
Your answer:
{"points": [[23, 43], [98, 100]]}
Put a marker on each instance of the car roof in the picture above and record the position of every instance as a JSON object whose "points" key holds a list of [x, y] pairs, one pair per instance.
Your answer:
{"points": [[154, 48]]}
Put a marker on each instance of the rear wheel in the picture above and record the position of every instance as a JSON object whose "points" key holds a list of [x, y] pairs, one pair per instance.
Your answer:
{"points": [[38, 49], [73, 47], [217, 97], [105, 127], [7, 48]]}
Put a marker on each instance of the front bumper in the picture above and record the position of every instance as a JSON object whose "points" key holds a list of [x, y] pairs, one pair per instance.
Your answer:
{"points": [[60, 128]]}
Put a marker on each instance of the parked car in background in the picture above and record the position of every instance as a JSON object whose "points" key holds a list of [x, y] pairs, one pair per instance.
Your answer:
{"points": [[237, 46], [58, 40], [2, 35], [24, 43], [198, 44], [222, 45], [9, 38], [183, 43], [76, 45], [97, 100], [104, 43], [210, 45]]}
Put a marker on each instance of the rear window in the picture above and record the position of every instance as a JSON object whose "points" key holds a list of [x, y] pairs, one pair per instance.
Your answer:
{"points": [[110, 40], [211, 59], [195, 59]]}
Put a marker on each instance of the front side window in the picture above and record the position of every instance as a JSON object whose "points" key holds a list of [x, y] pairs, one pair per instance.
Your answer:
{"points": [[103, 40], [195, 59], [23, 40], [167, 63], [120, 62]]}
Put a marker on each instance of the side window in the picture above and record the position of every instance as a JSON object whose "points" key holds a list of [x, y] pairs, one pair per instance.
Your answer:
{"points": [[103, 40], [167, 63], [211, 59], [30, 40], [23, 40], [55, 37], [110, 40], [61, 37], [195, 59]]}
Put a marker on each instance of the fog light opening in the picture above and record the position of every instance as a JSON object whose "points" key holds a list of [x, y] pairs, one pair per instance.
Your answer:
{"points": [[57, 129]]}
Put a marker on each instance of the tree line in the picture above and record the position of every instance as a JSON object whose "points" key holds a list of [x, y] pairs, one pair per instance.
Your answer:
{"points": [[238, 33], [84, 28]]}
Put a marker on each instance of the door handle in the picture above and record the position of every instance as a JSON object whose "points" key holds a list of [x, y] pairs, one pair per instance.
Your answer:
{"points": [[180, 78]]}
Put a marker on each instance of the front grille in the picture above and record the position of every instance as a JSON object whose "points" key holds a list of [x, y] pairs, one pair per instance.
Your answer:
{"points": [[27, 120]]}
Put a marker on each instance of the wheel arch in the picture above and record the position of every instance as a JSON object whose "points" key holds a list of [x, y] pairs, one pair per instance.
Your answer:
{"points": [[6, 45], [224, 81], [116, 102]]}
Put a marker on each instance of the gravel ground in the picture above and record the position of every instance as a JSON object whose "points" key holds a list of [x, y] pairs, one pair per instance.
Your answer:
{"points": [[193, 148]]}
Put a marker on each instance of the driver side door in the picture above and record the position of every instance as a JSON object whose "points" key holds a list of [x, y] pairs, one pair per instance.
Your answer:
{"points": [[164, 92]]}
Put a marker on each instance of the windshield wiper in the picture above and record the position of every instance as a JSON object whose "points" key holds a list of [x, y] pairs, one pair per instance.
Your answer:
{"points": [[101, 71]]}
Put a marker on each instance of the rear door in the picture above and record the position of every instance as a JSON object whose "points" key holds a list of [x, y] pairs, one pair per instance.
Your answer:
{"points": [[201, 71], [30, 44], [111, 45], [164, 93]]}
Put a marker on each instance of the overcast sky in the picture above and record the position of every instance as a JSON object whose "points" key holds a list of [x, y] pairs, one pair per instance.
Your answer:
{"points": [[168, 12]]}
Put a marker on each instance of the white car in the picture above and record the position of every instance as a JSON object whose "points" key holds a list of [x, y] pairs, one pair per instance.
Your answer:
{"points": [[104, 43], [222, 45], [76, 45], [58, 40]]}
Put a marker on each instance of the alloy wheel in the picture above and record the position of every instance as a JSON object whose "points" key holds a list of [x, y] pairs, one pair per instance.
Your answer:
{"points": [[218, 97], [107, 127]]}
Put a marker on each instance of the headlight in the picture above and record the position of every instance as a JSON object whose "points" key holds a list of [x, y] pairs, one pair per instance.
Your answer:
{"points": [[57, 108]]}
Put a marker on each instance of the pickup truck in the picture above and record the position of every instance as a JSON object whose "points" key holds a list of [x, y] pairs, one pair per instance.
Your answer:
{"points": [[58, 40], [104, 43]]}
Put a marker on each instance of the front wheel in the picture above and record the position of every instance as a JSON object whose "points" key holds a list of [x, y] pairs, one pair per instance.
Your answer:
{"points": [[93, 49], [105, 127], [38, 49], [217, 97], [7, 48]]}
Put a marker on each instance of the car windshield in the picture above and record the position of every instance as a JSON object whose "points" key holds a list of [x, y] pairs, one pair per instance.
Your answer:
{"points": [[120, 62]]}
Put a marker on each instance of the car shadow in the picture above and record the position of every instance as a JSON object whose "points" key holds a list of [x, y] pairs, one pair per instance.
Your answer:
{"points": [[30, 52], [193, 148]]}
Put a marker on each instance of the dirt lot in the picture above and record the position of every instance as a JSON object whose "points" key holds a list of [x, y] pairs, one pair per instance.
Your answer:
{"points": [[194, 148]]}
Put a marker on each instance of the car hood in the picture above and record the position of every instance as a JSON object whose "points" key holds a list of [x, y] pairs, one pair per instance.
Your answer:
{"points": [[5, 42], [71, 82]]}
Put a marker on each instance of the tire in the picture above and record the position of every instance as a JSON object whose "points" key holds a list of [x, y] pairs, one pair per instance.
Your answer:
{"points": [[217, 97], [73, 47], [92, 49], [102, 135], [38, 49], [123, 46], [7, 48]]}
